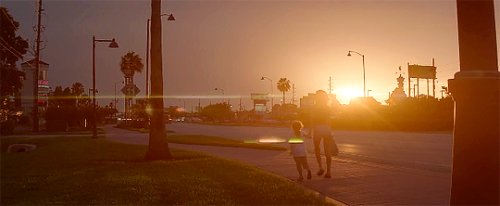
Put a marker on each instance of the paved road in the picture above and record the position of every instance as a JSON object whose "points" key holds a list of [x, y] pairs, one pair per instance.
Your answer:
{"points": [[385, 177], [425, 151]]}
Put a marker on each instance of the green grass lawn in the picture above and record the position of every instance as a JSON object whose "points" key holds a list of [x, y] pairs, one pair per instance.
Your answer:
{"points": [[219, 141], [85, 171], [70, 132], [142, 130]]}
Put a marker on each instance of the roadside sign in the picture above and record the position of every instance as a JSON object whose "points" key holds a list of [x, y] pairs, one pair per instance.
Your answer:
{"points": [[130, 90]]}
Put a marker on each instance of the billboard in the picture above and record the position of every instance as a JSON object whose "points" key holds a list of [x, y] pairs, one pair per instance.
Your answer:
{"points": [[423, 72], [306, 102], [259, 96]]}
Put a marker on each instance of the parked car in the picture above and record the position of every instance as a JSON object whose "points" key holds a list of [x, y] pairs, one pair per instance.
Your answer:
{"points": [[168, 120], [193, 119]]}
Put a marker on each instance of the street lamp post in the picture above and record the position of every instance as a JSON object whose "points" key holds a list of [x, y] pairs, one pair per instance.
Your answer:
{"points": [[116, 101], [272, 98], [364, 82], [222, 93], [112, 44], [170, 18], [92, 89]]}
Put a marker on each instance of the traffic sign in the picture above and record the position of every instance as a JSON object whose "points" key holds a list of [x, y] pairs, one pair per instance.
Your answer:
{"points": [[130, 90]]}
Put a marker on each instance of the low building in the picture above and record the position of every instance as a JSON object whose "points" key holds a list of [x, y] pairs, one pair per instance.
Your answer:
{"points": [[28, 93]]}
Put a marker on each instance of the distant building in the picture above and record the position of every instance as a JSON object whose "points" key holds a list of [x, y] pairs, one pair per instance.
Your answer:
{"points": [[360, 107], [28, 93], [308, 101], [398, 95], [260, 103]]}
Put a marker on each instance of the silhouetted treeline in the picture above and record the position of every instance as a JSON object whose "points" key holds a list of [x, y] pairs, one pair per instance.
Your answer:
{"points": [[71, 108], [411, 114]]}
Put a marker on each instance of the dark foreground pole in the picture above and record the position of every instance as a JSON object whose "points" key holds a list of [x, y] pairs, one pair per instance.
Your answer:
{"points": [[476, 91]]}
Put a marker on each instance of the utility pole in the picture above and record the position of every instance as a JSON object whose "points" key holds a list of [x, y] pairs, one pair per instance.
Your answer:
{"points": [[37, 69], [293, 93], [147, 61], [330, 85]]}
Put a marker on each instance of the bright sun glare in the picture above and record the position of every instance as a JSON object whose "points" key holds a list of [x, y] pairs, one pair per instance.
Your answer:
{"points": [[348, 93]]}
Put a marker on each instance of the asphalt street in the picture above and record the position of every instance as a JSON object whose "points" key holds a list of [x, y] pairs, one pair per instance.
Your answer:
{"points": [[389, 168], [425, 151]]}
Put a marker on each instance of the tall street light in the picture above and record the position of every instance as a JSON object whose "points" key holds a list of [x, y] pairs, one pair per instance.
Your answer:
{"points": [[222, 93], [170, 18], [116, 101], [112, 44], [364, 82], [272, 98]]}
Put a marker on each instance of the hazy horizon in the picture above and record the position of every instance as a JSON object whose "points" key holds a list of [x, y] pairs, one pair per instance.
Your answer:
{"points": [[232, 44]]}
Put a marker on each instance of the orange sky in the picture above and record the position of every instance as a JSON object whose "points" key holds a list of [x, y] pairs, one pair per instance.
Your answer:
{"points": [[231, 44]]}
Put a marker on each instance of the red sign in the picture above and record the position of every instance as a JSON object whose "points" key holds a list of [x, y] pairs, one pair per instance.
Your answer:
{"points": [[43, 82]]}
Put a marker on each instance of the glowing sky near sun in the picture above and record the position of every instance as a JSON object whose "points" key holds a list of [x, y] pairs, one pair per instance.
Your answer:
{"points": [[232, 44]]}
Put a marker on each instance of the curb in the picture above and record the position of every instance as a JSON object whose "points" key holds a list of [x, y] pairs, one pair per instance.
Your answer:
{"points": [[320, 195]]}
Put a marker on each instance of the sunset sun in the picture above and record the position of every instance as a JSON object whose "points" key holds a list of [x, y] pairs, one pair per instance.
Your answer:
{"points": [[348, 93]]}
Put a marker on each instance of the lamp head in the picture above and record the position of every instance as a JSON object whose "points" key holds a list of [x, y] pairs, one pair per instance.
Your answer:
{"points": [[113, 44], [171, 17], [349, 54], [215, 88], [262, 79]]}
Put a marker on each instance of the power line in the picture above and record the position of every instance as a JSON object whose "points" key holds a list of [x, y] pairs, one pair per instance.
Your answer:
{"points": [[16, 54], [10, 19], [5, 42]]}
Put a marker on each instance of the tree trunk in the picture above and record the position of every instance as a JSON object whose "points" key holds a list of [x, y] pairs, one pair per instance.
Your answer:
{"points": [[283, 98], [158, 145]]}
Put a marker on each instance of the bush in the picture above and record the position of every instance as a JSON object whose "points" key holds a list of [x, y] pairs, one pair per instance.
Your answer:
{"points": [[57, 126], [7, 127]]}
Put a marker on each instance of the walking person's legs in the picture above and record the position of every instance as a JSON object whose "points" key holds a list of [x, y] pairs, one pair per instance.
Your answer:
{"points": [[299, 167], [317, 152], [327, 143], [303, 161]]}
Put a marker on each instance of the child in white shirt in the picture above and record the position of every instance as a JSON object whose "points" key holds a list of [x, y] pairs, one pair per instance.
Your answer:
{"points": [[298, 149]]}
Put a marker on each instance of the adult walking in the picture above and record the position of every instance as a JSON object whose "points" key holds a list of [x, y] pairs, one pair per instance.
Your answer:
{"points": [[320, 126]]}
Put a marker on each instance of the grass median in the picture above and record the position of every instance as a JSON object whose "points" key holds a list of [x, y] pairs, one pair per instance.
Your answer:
{"points": [[85, 171], [71, 131], [219, 141], [142, 130]]}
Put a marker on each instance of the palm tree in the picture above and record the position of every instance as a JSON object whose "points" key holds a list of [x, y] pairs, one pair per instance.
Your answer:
{"points": [[158, 145], [77, 89], [283, 86], [132, 62]]}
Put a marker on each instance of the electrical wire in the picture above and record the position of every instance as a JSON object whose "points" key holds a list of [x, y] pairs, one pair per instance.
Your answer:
{"points": [[15, 54], [7, 16], [5, 42]]}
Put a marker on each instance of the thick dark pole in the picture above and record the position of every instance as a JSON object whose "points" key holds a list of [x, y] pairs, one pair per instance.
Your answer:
{"points": [[147, 61], [94, 121], [158, 145], [476, 91], [37, 69]]}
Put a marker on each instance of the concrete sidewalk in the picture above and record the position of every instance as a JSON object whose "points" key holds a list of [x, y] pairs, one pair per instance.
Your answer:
{"points": [[352, 182]]}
